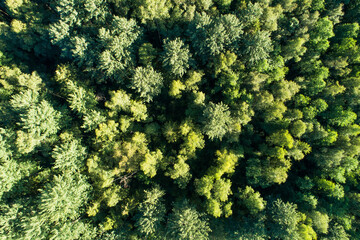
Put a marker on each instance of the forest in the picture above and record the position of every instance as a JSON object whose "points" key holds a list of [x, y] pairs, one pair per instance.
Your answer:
{"points": [[179, 119]]}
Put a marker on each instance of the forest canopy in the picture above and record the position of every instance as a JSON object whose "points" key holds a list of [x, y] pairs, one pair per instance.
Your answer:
{"points": [[180, 119]]}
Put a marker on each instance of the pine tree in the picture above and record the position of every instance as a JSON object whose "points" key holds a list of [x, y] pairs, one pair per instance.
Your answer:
{"points": [[217, 120], [176, 57], [186, 223], [151, 213], [147, 82], [62, 198]]}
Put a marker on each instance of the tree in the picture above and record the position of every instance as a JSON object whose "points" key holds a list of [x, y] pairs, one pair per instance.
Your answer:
{"points": [[81, 100], [151, 213], [69, 156], [176, 57], [117, 54], [192, 141], [106, 132], [222, 189], [298, 128], [176, 88], [217, 120], [147, 82], [270, 18], [92, 119], [285, 90], [252, 200], [284, 220], [120, 101], [204, 186], [8, 221], [63, 197], [224, 4], [186, 223], [251, 14], [12, 170], [330, 189], [281, 138], [346, 30], [322, 31], [257, 47], [340, 117], [24, 100], [153, 12], [39, 122], [320, 221], [147, 53], [294, 49], [180, 171], [73, 230], [224, 34], [225, 163], [317, 79], [112, 112], [149, 165], [212, 36], [337, 232]]}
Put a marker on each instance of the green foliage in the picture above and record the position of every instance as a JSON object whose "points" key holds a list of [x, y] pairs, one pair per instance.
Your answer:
{"points": [[251, 200], [176, 88], [106, 132], [337, 232], [62, 198], [176, 57], [241, 116], [43, 127], [330, 188], [12, 171], [298, 128], [38, 122], [320, 221], [340, 117], [118, 54], [147, 82], [186, 223], [152, 12], [69, 156], [91, 120], [257, 47], [151, 213], [147, 53], [204, 186], [294, 49], [225, 163], [217, 120], [148, 166], [322, 31], [222, 189], [120, 101], [281, 139], [284, 219], [211, 37]]}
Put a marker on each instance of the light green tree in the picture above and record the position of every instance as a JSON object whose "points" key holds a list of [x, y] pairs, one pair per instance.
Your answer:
{"points": [[147, 82], [176, 57], [217, 120], [69, 156], [252, 200], [186, 223], [320, 221], [257, 47], [284, 220], [63, 197]]}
